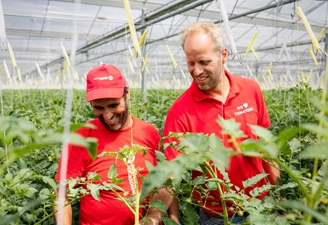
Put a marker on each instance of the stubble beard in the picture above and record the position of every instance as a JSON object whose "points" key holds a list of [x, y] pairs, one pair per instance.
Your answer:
{"points": [[123, 117], [214, 80]]}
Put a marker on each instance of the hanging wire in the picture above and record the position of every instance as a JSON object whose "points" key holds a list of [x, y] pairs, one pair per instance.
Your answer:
{"points": [[293, 13], [225, 19], [3, 44]]}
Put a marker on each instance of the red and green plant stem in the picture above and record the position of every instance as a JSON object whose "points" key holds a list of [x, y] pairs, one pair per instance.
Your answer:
{"points": [[137, 195], [123, 200], [223, 202]]}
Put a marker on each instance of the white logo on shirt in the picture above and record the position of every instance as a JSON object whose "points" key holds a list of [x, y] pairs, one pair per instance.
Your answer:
{"points": [[243, 109]]}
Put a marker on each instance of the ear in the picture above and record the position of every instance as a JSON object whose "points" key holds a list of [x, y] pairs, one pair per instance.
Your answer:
{"points": [[128, 94], [224, 55]]}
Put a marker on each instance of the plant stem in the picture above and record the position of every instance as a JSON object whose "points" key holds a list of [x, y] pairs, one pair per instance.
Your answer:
{"points": [[136, 187], [295, 177], [321, 186], [123, 200], [224, 207]]}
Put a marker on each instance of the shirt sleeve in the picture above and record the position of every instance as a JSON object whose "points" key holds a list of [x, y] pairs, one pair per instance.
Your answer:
{"points": [[263, 118], [74, 158], [172, 124]]}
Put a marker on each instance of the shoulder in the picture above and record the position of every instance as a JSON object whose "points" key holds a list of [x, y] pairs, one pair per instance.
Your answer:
{"points": [[143, 125], [186, 98], [244, 80], [246, 84], [85, 129]]}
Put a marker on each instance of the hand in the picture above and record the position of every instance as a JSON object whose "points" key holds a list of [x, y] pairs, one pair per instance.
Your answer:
{"points": [[154, 217], [149, 221]]}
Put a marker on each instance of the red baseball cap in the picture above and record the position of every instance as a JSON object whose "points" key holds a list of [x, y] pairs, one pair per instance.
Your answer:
{"points": [[105, 81]]}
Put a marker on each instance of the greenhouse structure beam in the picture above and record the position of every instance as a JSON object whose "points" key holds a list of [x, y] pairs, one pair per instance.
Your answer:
{"points": [[285, 24], [118, 33]]}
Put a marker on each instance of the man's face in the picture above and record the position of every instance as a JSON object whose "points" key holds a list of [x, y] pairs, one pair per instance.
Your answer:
{"points": [[205, 64], [112, 112]]}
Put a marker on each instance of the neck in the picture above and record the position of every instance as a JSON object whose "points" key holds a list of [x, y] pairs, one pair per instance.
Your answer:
{"points": [[129, 122], [221, 91]]}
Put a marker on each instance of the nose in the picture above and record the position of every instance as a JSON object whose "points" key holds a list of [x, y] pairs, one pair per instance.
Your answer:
{"points": [[107, 114], [198, 69]]}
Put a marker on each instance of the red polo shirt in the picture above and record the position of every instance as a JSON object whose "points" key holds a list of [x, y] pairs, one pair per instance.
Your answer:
{"points": [[110, 210], [196, 112]]}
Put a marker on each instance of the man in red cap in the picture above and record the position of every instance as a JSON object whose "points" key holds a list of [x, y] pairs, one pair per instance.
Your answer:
{"points": [[115, 128]]}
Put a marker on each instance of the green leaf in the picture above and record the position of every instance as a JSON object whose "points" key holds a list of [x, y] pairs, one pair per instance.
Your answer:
{"points": [[253, 180], [24, 173], [5, 220], [259, 190], [111, 186], [168, 221], [295, 145], [149, 165], [317, 129], [160, 156], [49, 181], [94, 190], [262, 133], [319, 151], [218, 158], [199, 180], [89, 143], [44, 194], [285, 136], [286, 186], [75, 127], [305, 209], [218, 155], [112, 172], [231, 127], [175, 168], [194, 143], [93, 176], [249, 144], [233, 196], [323, 169], [190, 216], [16, 153], [158, 204]]}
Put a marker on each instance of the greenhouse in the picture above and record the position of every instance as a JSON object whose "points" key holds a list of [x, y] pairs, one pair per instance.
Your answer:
{"points": [[274, 65]]}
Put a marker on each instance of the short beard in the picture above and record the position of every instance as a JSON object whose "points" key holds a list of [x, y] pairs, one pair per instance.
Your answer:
{"points": [[123, 119], [214, 80]]}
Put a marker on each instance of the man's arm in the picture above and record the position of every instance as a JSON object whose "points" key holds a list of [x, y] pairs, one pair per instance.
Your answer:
{"points": [[63, 216], [173, 210], [272, 169], [155, 215]]}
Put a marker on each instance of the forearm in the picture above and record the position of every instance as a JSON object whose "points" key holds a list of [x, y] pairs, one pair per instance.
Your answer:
{"points": [[173, 210], [155, 215], [63, 210], [64, 215], [272, 169]]}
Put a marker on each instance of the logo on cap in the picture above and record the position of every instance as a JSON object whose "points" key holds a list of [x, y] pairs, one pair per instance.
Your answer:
{"points": [[104, 78]]}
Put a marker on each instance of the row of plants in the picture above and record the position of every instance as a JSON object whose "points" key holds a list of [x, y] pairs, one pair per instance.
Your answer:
{"points": [[31, 136]]}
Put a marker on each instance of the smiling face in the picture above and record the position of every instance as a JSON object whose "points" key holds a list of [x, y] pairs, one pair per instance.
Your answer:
{"points": [[112, 112], [205, 63]]}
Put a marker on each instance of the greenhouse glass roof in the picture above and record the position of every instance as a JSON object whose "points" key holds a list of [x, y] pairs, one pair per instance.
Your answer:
{"points": [[92, 32]]}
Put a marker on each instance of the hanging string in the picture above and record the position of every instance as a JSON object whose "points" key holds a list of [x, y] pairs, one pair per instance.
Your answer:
{"points": [[3, 44]]}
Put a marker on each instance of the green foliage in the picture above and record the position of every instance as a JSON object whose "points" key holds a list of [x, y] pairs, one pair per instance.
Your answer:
{"points": [[31, 142]]}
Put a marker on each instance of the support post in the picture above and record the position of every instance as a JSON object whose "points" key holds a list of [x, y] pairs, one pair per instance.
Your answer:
{"points": [[143, 72]]}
